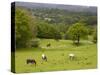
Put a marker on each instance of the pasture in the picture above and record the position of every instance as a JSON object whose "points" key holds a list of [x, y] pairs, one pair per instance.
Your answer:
{"points": [[57, 54]]}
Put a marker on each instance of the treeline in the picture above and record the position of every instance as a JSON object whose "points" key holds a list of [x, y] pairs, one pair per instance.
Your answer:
{"points": [[64, 16], [57, 24]]}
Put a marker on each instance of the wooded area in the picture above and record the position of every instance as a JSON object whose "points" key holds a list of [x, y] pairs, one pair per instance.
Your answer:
{"points": [[53, 24]]}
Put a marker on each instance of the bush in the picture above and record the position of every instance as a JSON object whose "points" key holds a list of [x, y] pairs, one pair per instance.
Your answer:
{"points": [[35, 43]]}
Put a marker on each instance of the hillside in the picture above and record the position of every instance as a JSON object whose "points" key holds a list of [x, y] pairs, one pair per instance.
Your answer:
{"points": [[75, 8]]}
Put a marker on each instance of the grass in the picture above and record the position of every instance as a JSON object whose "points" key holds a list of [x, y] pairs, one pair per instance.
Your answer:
{"points": [[57, 55]]}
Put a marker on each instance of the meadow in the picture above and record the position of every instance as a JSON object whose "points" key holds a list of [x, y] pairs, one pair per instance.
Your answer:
{"points": [[57, 55], [65, 36]]}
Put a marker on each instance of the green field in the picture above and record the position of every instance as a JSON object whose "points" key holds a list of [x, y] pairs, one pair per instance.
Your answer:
{"points": [[57, 54]]}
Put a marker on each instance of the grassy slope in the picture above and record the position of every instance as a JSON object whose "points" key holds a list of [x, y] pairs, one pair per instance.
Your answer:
{"points": [[57, 56]]}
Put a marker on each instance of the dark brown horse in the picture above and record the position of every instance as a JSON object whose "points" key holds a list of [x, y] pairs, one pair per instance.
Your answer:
{"points": [[31, 61], [48, 45]]}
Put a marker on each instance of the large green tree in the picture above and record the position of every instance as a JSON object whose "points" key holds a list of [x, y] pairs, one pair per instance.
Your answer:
{"points": [[76, 31], [24, 27]]}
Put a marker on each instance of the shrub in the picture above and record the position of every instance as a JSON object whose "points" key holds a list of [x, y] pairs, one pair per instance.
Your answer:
{"points": [[35, 43]]}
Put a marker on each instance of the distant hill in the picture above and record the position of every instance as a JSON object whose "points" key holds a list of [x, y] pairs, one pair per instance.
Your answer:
{"points": [[74, 8], [60, 13]]}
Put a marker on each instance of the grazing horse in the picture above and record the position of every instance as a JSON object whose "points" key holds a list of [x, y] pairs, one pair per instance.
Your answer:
{"points": [[31, 61], [71, 56], [48, 45], [44, 57]]}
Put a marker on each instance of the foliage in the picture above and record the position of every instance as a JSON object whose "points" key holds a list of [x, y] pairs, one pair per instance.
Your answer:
{"points": [[46, 30], [35, 43], [77, 31], [52, 24], [57, 16], [24, 27]]}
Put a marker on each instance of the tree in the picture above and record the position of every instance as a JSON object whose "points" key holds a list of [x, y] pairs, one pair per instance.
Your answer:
{"points": [[95, 36], [76, 31], [47, 31], [24, 27]]}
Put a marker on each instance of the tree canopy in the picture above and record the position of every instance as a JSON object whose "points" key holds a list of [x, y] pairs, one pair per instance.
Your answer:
{"points": [[24, 27], [45, 30], [31, 24], [76, 31]]}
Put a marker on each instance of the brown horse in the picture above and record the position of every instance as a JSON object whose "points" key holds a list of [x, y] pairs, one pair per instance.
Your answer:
{"points": [[31, 61], [48, 45]]}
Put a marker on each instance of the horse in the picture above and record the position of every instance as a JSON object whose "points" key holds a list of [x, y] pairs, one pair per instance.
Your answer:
{"points": [[44, 57], [31, 61], [48, 45], [71, 56]]}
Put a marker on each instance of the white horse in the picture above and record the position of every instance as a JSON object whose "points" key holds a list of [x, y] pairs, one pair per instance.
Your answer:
{"points": [[71, 56]]}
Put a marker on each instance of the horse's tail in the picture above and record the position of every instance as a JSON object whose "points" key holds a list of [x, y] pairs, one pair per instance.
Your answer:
{"points": [[35, 63]]}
